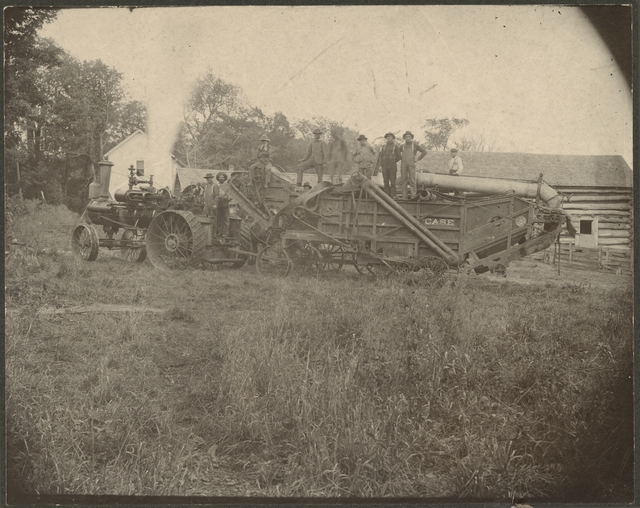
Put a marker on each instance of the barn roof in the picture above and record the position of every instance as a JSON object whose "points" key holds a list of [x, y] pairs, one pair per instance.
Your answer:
{"points": [[574, 170]]}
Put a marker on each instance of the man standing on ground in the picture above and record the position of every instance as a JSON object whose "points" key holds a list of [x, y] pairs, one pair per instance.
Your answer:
{"points": [[455, 163], [388, 160], [365, 157], [317, 157], [222, 212], [211, 193], [408, 165], [338, 155]]}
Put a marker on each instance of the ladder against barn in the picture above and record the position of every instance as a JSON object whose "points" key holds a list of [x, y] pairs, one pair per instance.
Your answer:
{"points": [[603, 219]]}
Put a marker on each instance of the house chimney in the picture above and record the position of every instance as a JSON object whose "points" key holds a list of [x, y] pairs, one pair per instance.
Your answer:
{"points": [[105, 178]]}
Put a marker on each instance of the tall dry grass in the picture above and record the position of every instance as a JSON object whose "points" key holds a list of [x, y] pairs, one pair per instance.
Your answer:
{"points": [[316, 386]]}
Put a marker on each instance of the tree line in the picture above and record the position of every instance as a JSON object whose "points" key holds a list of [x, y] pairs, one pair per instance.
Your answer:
{"points": [[63, 115]]}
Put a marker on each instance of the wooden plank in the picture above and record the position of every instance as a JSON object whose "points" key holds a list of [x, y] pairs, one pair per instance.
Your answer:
{"points": [[612, 233], [614, 241], [596, 206], [599, 198], [569, 189], [597, 213], [606, 226], [615, 220]]}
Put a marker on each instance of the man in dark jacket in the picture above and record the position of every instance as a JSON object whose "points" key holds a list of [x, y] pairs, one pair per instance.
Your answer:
{"points": [[388, 160], [408, 152], [317, 157]]}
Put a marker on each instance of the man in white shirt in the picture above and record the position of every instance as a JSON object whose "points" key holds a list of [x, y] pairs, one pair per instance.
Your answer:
{"points": [[455, 164]]}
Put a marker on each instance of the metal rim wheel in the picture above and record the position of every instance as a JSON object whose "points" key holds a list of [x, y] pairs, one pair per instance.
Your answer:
{"points": [[304, 256], [434, 265], [134, 254], [85, 243], [500, 269], [175, 239], [273, 260], [332, 256]]}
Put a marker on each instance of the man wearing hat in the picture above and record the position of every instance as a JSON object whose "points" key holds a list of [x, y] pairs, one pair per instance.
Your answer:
{"points": [[222, 211], [408, 152], [264, 161], [317, 157], [211, 193], [365, 157], [338, 155], [388, 160], [455, 163]]}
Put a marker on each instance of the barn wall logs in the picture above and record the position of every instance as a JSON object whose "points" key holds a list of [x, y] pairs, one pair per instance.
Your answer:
{"points": [[611, 209]]}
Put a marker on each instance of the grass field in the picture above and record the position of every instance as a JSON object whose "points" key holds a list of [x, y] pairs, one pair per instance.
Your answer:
{"points": [[225, 383]]}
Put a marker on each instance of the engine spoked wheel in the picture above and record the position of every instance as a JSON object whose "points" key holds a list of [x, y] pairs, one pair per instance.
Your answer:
{"points": [[175, 240], [274, 260], [85, 243], [134, 254]]}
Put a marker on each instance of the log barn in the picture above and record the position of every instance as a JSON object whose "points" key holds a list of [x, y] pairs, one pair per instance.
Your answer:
{"points": [[598, 192]]}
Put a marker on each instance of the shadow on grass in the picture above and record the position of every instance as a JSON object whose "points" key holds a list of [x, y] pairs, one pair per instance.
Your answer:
{"points": [[605, 458]]}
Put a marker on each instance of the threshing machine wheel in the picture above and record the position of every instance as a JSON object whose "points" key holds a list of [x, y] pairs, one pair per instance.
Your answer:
{"points": [[84, 242], [500, 269], [134, 254], [175, 239], [273, 260], [332, 256], [304, 256], [434, 265]]}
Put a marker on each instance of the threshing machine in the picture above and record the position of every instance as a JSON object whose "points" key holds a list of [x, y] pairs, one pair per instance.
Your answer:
{"points": [[480, 224]]}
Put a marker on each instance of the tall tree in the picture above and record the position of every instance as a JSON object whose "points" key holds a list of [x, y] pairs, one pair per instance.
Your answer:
{"points": [[438, 131], [23, 57], [219, 125]]}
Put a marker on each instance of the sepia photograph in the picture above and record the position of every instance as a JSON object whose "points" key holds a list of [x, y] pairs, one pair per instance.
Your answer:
{"points": [[319, 254]]}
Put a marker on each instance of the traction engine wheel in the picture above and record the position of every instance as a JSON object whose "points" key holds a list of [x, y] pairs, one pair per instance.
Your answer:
{"points": [[434, 265], [84, 242], [133, 254], [175, 239], [273, 260]]}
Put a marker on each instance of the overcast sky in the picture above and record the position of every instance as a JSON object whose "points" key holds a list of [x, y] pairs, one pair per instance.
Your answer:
{"points": [[534, 78]]}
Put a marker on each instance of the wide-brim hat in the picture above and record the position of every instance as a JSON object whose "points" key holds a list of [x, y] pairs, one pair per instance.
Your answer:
{"points": [[454, 150], [208, 175], [317, 131], [264, 137], [361, 136], [390, 134], [220, 176], [408, 133]]}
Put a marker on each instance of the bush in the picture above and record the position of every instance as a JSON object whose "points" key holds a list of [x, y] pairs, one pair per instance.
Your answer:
{"points": [[40, 226]]}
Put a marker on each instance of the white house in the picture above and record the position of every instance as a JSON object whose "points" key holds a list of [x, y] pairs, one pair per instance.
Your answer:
{"points": [[137, 150]]}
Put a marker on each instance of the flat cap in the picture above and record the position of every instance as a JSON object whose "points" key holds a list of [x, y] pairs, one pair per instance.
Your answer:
{"points": [[317, 131]]}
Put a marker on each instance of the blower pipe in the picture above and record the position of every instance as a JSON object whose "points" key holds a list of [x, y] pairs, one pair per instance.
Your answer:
{"points": [[546, 193]]}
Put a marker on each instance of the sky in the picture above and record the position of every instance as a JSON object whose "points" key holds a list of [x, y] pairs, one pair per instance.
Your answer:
{"points": [[534, 79]]}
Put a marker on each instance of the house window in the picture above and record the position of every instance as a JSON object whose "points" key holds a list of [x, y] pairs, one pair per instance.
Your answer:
{"points": [[585, 227], [139, 168]]}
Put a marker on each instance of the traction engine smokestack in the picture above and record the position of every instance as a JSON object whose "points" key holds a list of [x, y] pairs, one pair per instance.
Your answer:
{"points": [[105, 178]]}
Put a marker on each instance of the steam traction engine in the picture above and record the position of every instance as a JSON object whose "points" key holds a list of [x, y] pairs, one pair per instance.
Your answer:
{"points": [[153, 223]]}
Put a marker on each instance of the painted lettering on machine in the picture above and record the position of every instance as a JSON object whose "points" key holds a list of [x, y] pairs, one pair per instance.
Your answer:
{"points": [[435, 221]]}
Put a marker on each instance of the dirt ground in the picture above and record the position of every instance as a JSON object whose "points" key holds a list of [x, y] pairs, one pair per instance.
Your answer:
{"points": [[530, 271]]}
